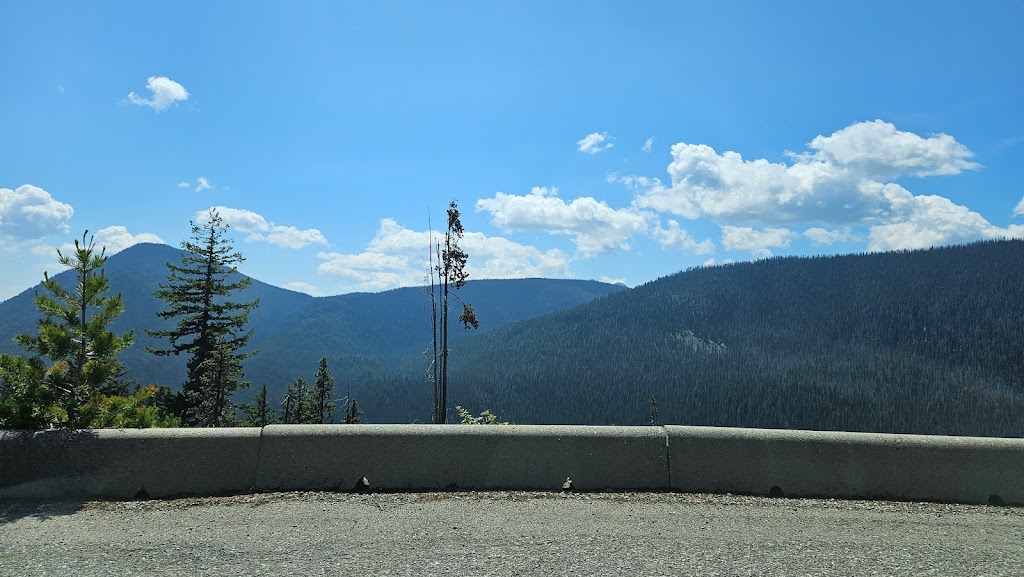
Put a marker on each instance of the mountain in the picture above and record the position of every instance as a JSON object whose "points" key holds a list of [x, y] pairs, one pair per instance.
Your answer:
{"points": [[362, 334], [927, 341]]}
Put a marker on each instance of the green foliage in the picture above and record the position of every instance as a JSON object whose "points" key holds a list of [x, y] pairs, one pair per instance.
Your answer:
{"points": [[209, 401], [74, 335], [85, 387], [485, 418], [324, 390], [259, 413], [299, 406], [26, 402], [210, 327], [353, 416]]}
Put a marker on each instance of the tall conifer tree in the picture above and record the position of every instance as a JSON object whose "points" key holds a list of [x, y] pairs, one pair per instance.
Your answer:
{"points": [[324, 390], [198, 294]]}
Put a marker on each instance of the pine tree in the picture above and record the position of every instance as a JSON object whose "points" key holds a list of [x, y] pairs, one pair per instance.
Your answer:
{"points": [[198, 295], [259, 413], [299, 406], [208, 403], [74, 335], [452, 276], [353, 416], [324, 389]]}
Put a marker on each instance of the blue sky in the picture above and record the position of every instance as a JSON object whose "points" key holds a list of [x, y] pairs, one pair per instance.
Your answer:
{"points": [[610, 140]]}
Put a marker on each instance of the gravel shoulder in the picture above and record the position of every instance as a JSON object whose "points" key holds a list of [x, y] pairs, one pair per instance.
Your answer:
{"points": [[509, 533]]}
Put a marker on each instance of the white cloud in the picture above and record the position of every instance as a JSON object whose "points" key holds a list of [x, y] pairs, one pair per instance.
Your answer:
{"points": [[675, 237], [843, 181], [203, 184], [303, 288], [1019, 210], [183, 185], [594, 226], [935, 220], [821, 236], [29, 212], [259, 229], [117, 238], [756, 241], [291, 237], [878, 151], [647, 145], [113, 239], [823, 185], [398, 256], [165, 93], [610, 280], [594, 142]]}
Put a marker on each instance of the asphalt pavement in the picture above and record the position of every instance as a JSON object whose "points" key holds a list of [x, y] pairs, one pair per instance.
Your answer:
{"points": [[508, 533]]}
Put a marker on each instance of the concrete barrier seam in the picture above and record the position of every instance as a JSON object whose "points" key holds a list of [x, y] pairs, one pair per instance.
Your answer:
{"points": [[668, 458]]}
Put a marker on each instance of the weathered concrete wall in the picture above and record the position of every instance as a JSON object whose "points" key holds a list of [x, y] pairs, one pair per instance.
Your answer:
{"points": [[123, 464], [833, 464], [408, 457]]}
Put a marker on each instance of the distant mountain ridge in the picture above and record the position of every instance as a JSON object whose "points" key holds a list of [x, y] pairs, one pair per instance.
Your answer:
{"points": [[928, 341], [293, 330]]}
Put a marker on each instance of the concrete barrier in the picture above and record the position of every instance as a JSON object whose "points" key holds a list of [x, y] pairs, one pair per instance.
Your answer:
{"points": [[833, 464], [126, 463], [411, 457]]}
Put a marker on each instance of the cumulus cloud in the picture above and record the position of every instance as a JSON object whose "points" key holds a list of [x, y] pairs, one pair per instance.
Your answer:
{"points": [[826, 184], [165, 93], [877, 150], [677, 238], [843, 180], [756, 241], [821, 236], [932, 221], [114, 239], [594, 226], [29, 212], [647, 145], [594, 142], [398, 256], [258, 229], [117, 238], [303, 288], [202, 184]]}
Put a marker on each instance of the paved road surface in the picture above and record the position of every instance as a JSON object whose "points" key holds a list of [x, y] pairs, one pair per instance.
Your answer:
{"points": [[509, 533]]}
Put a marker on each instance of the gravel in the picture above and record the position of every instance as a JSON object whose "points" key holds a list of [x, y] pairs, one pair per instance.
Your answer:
{"points": [[509, 533]]}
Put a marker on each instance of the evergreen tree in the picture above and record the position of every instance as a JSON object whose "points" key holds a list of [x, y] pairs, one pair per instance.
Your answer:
{"points": [[353, 416], [451, 276], [299, 406], [74, 335], [209, 324], [324, 389], [259, 413], [220, 378], [25, 400]]}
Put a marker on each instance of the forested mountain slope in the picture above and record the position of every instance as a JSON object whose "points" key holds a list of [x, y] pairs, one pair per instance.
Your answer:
{"points": [[926, 341], [363, 335]]}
